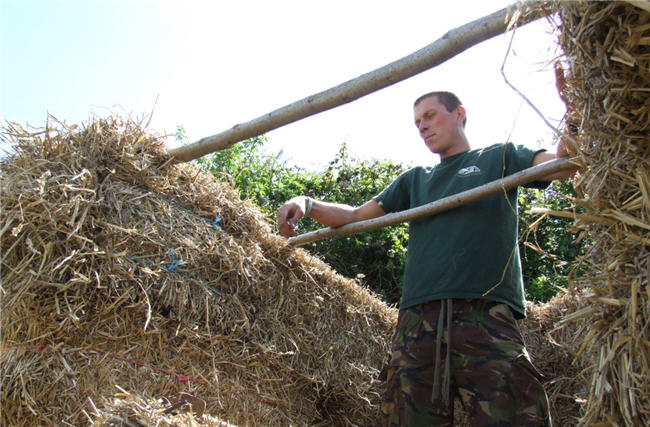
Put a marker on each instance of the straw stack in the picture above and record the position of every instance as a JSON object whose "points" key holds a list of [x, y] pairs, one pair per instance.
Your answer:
{"points": [[127, 280], [608, 48]]}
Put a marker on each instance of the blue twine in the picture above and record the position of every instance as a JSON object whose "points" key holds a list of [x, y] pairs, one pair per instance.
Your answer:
{"points": [[139, 259], [174, 263], [172, 266], [176, 204], [171, 202], [214, 223], [171, 269]]}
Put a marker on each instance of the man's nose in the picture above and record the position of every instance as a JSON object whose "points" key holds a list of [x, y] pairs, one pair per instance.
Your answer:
{"points": [[422, 127]]}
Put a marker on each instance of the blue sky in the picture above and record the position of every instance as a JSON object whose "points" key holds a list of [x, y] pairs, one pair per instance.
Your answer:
{"points": [[210, 65], [68, 57]]}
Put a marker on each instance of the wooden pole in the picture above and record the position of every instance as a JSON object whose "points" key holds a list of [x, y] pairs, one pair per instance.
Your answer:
{"points": [[446, 47], [433, 208]]}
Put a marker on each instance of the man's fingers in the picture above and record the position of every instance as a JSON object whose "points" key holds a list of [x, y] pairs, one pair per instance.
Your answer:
{"points": [[287, 221], [297, 215], [287, 230], [285, 227], [560, 79], [560, 82]]}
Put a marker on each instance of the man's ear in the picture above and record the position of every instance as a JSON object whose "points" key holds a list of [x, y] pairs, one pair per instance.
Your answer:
{"points": [[460, 113]]}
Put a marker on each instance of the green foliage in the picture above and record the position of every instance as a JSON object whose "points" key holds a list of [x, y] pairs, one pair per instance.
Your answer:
{"points": [[548, 249], [260, 177], [378, 257]]}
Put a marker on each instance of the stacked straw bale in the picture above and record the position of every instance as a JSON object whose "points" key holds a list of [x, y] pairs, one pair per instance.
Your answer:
{"points": [[101, 320], [546, 341], [607, 45]]}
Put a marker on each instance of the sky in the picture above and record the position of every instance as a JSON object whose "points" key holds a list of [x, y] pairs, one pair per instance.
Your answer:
{"points": [[208, 65]]}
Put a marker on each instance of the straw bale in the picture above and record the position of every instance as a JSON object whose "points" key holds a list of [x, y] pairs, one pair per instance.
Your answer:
{"points": [[608, 52], [100, 317], [553, 346]]}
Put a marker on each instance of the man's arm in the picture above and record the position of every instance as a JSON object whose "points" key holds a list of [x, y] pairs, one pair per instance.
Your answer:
{"points": [[328, 214], [564, 149]]}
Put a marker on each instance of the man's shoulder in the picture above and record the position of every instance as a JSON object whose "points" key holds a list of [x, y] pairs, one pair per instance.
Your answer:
{"points": [[508, 147], [420, 169], [507, 151], [416, 171], [509, 156], [495, 149]]}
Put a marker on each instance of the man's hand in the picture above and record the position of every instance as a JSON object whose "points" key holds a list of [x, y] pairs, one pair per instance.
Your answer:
{"points": [[566, 147], [561, 84], [328, 214], [289, 214]]}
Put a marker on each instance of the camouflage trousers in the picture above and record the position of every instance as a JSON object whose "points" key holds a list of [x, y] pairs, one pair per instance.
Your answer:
{"points": [[488, 368]]}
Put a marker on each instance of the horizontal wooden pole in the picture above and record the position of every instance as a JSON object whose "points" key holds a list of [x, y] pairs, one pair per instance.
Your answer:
{"points": [[520, 178], [446, 47]]}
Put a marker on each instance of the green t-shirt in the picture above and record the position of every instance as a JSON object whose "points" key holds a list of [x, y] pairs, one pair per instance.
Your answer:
{"points": [[464, 252]]}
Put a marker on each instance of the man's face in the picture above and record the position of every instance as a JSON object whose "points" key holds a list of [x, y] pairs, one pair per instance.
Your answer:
{"points": [[439, 128]]}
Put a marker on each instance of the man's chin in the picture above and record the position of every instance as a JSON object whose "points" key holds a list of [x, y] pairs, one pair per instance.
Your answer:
{"points": [[433, 149]]}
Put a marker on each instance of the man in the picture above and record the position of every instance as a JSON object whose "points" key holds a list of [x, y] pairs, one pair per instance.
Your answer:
{"points": [[456, 332]]}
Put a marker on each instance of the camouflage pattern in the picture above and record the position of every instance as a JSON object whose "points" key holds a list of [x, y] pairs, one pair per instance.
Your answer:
{"points": [[491, 371]]}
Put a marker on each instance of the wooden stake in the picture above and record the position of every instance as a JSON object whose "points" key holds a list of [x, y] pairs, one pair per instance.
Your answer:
{"points": [[446, 47], [433, 208]]}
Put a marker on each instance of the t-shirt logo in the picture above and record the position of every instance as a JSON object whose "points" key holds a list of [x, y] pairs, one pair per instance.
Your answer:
{"points": [[471, 170]]}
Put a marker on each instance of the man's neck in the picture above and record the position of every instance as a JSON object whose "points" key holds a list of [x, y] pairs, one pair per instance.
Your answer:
{"points": [[460, 146]]}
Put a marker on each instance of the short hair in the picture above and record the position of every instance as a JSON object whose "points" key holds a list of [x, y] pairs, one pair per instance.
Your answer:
{"points": [[448, 99]]}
